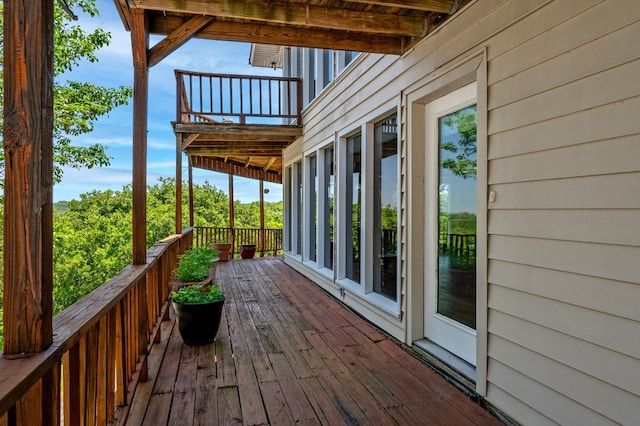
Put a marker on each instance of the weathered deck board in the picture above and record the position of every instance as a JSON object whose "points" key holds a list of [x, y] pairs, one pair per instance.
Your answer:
{"points": [[288, 353]]}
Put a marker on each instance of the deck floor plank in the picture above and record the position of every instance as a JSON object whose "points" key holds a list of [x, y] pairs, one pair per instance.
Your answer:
{"points": [[288, 353]]}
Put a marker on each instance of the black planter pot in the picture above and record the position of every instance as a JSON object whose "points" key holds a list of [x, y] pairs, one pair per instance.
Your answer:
{"points": [[198, 322]]}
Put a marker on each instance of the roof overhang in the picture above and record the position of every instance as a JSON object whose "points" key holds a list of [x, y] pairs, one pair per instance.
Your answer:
{"points": [[380, 26]]}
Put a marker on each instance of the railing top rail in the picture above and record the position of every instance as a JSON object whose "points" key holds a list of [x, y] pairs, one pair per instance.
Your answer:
{"points": [[239, 76]]}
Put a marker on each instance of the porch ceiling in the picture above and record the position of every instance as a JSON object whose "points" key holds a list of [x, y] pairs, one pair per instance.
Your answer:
{"points": [[380, 26], [252, 151]]}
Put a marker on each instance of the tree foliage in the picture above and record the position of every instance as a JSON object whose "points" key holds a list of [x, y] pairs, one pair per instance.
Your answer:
{"points": [[92, 236], [463, 164], [77, 105]]}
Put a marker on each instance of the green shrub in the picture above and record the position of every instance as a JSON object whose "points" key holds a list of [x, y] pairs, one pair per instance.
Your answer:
{"points": [[195, 264], [198, 293]]}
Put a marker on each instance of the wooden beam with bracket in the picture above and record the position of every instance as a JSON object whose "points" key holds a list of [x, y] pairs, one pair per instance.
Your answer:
{"points": [[177, 38], [309, 16]]}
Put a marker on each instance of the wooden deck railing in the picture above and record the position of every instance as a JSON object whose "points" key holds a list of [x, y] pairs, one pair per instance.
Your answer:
{"points": [[268, 241], [224, 98], [100, 347]]}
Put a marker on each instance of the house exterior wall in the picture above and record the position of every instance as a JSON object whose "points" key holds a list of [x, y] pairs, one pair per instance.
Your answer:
{"points": [[558, 295]]}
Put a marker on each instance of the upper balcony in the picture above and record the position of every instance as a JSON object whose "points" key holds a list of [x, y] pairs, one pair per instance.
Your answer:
{"points": [[237, 124]]}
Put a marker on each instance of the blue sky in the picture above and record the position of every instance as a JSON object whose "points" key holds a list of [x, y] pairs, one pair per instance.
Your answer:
{"points": [[115, 69]]}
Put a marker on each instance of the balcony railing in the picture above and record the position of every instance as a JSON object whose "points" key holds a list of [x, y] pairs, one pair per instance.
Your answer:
{"points": [[100, 346], [225, 98], [268, 241]]}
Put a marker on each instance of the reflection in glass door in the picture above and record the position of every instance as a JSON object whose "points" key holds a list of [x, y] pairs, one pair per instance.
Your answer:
{"points": [[457, 216], [450, 223]]}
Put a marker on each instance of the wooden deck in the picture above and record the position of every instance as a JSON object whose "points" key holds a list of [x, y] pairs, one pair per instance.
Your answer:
{"points": [[288, 353]]}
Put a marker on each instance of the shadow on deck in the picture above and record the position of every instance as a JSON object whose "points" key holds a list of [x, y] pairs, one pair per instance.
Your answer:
{"points": [[288, 353]]}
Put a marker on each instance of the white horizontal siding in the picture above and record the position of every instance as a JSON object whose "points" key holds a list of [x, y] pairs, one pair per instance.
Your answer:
{"points": [[588, 159], [551, 400], [564, 239], [612, 262], [619, 371], [614, 120], [588, 92], [578, 225], [613, 191]]}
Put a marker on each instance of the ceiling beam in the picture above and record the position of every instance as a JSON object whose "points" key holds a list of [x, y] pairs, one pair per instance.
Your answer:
{"points": [[269, 163], [286, 36], [230, 152], [441, 6], [293, 14], [177, 38]]}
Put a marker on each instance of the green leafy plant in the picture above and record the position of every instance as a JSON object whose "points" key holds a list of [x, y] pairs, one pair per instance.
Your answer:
{"points": [[198, 293], [195, 264]]}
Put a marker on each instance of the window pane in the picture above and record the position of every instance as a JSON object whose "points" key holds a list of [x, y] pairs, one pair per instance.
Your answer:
{"points": [[298, 210], [313, 190], [457, 216], [327, 238], [386, 207], [353, 203], [287, 211]]}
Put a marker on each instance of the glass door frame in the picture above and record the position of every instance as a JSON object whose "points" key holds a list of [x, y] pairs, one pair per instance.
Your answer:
{"points": [[457, 338]]}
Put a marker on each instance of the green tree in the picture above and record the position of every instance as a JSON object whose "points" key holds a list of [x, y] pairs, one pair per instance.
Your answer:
{"points": [[77, 105], [464, 149]]}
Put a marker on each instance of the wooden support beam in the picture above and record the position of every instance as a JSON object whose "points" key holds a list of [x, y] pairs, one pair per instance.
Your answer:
{"points": [[248, 161], [261, 218], [288, 36], [269, 163], [139, 44], [191, 222], [177, 38], [231, 215], [302, 15], [236, 152], [442, 6], [178, 186], [28, 183]]}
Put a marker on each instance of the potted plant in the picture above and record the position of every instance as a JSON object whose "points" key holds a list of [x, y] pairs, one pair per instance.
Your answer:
{"points": [[247, 251], [224, 249], [197, 302]]}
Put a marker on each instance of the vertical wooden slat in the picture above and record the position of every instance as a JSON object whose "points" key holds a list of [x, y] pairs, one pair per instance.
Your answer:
{"points": [[51, 383], [90, 375], [102, 390], [82, 379], [139, 45], [111, 363], [120, 355], [143, 327], [71, 390]]}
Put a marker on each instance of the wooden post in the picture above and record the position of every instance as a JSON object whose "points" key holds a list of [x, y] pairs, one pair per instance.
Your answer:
{"points": [[191, 222], [179, 184], [28, 184], [231, 219], [28, 199], [261, 218], [139, 45]]}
